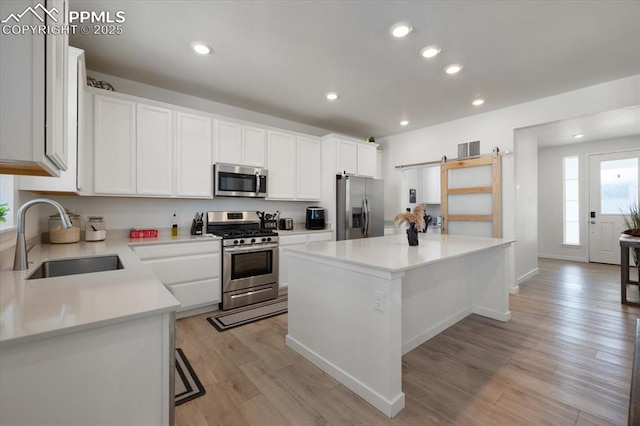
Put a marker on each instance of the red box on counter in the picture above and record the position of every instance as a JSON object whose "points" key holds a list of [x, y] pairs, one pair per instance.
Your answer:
{"points": [[143, 233]]}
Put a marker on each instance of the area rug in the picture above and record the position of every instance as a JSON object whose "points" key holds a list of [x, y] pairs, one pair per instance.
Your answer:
{"points": [[187, 386], [237, 318]]}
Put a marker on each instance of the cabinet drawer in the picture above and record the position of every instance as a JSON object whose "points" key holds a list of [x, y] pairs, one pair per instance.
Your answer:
{"points": [[153, 251], [197, 293], [293, 239], [320, 236], [186, 268]]}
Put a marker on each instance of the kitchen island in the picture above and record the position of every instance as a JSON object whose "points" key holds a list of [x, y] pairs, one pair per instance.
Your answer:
{"points": [[356, 306]]}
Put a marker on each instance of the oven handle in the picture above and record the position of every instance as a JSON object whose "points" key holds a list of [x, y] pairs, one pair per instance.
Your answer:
{"points": [[250, 293], [260, 247]]}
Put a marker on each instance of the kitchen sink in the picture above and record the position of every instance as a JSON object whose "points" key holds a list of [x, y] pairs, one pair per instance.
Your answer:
{"points": [[82, 265]]}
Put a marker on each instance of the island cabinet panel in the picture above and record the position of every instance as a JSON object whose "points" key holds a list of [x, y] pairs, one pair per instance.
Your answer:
{"points": [[194, 151], [281, 166], [114, 146], [154, 150]]}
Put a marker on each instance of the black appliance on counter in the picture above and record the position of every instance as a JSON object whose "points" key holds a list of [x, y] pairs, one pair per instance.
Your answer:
{"points": [[315, 218], [250, 258]]}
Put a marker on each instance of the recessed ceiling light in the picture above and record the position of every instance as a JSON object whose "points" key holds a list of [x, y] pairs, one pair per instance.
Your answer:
{"points": [[453, 69], [401, 29], [332, 96], [404, 122], [430, 51], [578, 136], [477, 102], [200, 48]]}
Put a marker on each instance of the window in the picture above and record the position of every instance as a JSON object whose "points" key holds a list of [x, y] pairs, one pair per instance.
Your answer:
{"points": [[6, 196], [571, 234], [618, 185]]}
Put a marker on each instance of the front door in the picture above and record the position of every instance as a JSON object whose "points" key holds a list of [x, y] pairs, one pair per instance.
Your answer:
{"points": [[613, 187]]}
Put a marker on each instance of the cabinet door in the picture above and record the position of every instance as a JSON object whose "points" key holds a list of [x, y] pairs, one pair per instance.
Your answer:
{"points": [[194, 155], [281, 166], [56, 70], [229, 143], [308, 168], [366, 160], [253, 146], [114, 151], [154, 150], [347, 157]]}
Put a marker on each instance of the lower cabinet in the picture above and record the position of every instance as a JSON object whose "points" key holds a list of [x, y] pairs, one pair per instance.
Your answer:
{"points": [[285, 241], [190, 270]]}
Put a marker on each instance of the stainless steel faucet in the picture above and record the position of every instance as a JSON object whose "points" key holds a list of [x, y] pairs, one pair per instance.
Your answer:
{"points": [[20, 259]]}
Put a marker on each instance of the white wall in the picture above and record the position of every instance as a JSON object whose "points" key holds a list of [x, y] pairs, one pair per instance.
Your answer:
{"points": [[496, 128], [550, 199], [135, 88], [526, 198]]}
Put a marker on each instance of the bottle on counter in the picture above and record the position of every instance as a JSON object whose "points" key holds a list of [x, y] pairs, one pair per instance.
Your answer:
{"points": [[174, 225]]}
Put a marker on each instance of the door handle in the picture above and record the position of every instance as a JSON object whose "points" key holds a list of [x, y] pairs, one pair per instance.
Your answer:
{"points": [[593, 222]]}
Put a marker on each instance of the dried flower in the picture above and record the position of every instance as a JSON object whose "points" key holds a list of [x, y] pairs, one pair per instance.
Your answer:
{"points": [[416, 218]]}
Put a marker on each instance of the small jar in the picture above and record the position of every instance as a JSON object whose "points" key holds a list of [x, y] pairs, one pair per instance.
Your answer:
{"points": [[58, 234], [96, 229]]}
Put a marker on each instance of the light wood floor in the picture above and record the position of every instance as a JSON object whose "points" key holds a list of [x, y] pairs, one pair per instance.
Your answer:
{"points": [[564, 358]]}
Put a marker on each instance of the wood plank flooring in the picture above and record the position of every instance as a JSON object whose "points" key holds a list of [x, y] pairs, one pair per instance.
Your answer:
{"points": [[564, 358]]}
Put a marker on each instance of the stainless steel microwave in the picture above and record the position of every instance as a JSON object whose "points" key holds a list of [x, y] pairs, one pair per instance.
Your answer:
{"points": [[230, 180]]}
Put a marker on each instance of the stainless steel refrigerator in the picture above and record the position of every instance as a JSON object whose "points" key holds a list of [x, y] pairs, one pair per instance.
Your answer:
{"points": [[359, 207]]}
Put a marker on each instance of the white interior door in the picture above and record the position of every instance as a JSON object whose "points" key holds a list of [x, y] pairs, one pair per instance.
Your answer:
{"points": [[613, 187]]}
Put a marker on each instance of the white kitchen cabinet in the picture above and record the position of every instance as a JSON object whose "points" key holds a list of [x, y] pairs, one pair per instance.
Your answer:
{"points": [[229, 142], [308, 168], [33, 87], [190, 270], [240, 144], [253, 146], [367, 160], [154, 150], [281, 157], [68, 179], [347, 157], [194, 155], [431, 185], [295, 240], [114, 147]]}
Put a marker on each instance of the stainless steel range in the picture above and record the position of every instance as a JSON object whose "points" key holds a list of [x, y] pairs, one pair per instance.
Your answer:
{"points": [[250, 258]]}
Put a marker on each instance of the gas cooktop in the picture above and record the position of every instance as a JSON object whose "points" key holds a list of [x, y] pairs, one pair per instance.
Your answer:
{"points": [[238, 229]]}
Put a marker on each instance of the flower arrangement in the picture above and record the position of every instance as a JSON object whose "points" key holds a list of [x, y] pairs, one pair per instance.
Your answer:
{"points": [[415, 219]]}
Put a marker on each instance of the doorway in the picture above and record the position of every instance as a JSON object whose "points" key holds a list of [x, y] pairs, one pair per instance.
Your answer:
{"points": [[613, 187]]}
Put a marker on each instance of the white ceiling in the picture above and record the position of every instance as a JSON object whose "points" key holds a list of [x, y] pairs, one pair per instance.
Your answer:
{"points": [[281, 57]]}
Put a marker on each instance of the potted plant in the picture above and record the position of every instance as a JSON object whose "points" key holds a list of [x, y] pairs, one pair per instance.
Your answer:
{"points": [[4, 209], [371, 139], [415, 221]]}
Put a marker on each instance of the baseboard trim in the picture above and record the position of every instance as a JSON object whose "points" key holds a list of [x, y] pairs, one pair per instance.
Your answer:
{"points": [[560, 257], [490, 313], [531, 273], [431, 332], [388, 407]]}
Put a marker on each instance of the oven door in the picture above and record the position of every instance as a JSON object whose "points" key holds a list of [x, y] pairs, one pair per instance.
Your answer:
{"points": [[239, 181], [246, 267]]}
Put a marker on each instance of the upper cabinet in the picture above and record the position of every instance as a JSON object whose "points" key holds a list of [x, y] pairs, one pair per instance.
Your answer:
{"points": [[240, 144], [294, 167], [156, 150], [34, 92], [352, 157], [193, 155], [69, 180]]}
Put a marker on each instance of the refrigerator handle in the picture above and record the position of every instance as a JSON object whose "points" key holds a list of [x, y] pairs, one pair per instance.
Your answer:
{"points": [[366, 218]]}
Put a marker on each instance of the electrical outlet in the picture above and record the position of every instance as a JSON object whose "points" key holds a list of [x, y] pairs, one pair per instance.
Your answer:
{"points": [[378, 303]]}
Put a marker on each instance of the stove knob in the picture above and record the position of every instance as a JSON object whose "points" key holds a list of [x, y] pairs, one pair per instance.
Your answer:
{"points": [[269, 239], [253, 240], [264, 239], [241, 241], [235, 241]]}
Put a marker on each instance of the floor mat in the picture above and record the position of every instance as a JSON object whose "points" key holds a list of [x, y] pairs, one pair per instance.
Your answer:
{"points": [[233, 319]]}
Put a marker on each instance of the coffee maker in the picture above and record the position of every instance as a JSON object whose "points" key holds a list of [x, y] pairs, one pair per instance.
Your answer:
{"points": [[315, 218]]}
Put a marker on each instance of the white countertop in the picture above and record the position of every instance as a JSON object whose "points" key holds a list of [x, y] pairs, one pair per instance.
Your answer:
{"points": [[299, 228], [41, 308], [392, 253]]}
